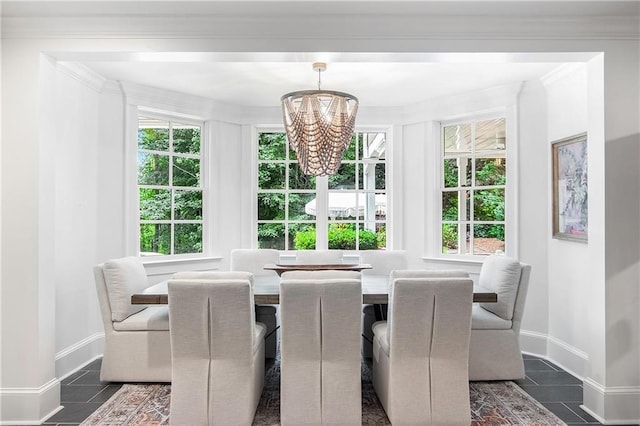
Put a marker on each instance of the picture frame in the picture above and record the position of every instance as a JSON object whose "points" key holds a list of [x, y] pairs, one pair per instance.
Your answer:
{"points": [[570, 188]]}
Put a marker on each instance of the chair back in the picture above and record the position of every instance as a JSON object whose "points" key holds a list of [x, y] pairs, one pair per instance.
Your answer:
{"points": [[383, 262], [429, 325], [214, 339], [319, 257], [253, 260], [320, 348]]}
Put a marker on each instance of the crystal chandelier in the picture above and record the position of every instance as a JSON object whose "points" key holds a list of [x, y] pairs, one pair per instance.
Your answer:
{"points": [[319, 125]]}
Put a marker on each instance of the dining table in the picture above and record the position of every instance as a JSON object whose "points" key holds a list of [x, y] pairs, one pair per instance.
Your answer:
{"points": [[266, 291]]}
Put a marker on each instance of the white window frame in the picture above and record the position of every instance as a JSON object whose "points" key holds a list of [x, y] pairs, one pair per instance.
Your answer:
{"points": [[510, 222], [205, 187], [322, 221]]}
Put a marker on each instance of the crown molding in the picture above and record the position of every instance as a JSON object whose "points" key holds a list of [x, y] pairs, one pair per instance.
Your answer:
{"points": [[561, 72], [360, 20], [82, 73]]}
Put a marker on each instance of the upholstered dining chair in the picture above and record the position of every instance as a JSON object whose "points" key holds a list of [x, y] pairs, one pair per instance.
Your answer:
{"points": [[382, 263], [421, 353], [217, 349], [253, 260], [137, 345], [315, 257], [320, 348], [495, 329]]}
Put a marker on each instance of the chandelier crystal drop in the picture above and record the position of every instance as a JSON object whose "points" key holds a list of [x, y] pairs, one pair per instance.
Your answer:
{"points": [[319, 125]]}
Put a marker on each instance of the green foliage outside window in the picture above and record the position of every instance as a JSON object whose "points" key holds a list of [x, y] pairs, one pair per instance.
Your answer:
{"points": [[342, 236], [170, 197]]}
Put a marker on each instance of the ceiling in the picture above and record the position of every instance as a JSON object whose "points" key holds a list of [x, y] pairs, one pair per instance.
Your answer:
{"points": [[377, 81]]}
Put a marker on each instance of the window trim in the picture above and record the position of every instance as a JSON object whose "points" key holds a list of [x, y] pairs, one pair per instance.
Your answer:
{"points": [[132, 204], [434, 249]]}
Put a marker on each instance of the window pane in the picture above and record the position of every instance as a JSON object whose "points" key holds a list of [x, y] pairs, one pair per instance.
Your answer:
{"points": [[302, 236], [490, 135], [188, 238], [488, 239], [368, 237], [272, 146], [271, 175], [488, 204], [271, 236], [186, 171], [450, 205], [155, 204], [449, 238], [345, 178], [153, 169], [457, 139], [374, 146], [372, 176], [342, 236], [450, 166], [270, 206], [375, 206], [153, 134], [491, 171], [155, 238], [350, 152], [298, 180], [302, 206], [188, 205], [186, 139]]}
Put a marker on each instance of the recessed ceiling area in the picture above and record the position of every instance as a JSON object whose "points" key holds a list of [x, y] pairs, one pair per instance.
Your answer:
{"points": [[378, 80]]}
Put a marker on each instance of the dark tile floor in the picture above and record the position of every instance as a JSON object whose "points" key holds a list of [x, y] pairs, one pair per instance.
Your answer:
{"points": [[83, 392]]}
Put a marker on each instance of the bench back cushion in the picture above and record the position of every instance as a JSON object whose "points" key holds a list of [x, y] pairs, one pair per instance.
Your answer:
{"points": [[124, 277], [501, 275]]}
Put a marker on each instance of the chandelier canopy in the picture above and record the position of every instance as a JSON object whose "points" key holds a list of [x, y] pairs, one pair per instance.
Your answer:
{"points": [[319, 125]]}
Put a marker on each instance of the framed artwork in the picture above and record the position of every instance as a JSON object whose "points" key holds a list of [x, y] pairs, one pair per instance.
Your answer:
{"points": [[570, 189]]}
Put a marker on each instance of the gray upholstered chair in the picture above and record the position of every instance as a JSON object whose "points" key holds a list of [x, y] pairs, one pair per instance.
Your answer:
{"points": [[320, 348], [382, 263], [253, 260], [137, 346], [495, 329], [217, 350], [315, 257], [420, 355]]}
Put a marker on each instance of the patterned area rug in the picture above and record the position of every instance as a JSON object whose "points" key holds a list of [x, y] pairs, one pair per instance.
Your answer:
{"points": [[492, 403]]}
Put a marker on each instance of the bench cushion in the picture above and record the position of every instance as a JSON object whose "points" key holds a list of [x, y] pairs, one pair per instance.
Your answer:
{"points": [[501, 275], [124, 277], [150, 318], [481, 319]]}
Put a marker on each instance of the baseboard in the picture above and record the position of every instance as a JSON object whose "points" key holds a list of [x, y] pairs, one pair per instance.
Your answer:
{"points": [[572, 360], [533, 343], [29, 406], [615, 405], [81, 353]]}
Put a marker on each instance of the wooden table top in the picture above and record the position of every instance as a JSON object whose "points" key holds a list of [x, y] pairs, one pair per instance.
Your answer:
{"points": [[266, 291], [284, 267]]}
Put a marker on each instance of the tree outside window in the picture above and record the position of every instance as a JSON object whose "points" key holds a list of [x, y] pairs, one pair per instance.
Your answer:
{"points": [[169, 187]]}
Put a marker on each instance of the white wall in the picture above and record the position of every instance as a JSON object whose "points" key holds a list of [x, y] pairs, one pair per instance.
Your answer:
{"points": [[74, 141], [533, 208], [569, 267]]}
